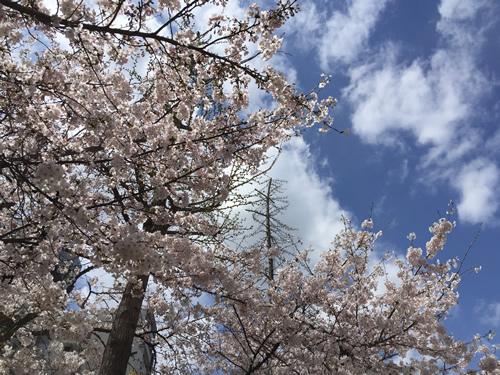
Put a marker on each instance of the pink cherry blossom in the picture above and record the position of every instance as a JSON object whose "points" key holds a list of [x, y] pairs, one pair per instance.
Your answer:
{"points": [[125, 135]]}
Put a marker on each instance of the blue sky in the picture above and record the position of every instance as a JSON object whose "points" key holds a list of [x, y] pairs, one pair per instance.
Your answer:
{"points": [[418, 87]]}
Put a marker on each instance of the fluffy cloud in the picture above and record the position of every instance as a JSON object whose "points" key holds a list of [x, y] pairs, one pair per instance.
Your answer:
{"points": [[458, 22], [339, 37], [478, 184], [460, 10], [433, 100], [427, 99], [346, 34], [313, 210]]}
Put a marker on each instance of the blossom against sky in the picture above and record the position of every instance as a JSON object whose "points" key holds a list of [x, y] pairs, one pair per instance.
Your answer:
{"points": [[417, 84]]}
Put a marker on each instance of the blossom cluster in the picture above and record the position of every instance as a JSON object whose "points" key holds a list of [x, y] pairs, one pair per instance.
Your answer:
{"points": [[121, 140], [334, 319]]}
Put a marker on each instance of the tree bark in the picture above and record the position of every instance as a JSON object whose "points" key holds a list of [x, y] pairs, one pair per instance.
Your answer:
{"points": [[269, 235], [119, 345]]}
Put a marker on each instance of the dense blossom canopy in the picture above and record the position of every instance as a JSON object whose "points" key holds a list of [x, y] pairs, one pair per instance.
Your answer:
{"points": [[125, 126]]}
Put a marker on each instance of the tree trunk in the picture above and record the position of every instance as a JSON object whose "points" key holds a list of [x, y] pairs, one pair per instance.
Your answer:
{"points": [[269, 235], [119, 345]]}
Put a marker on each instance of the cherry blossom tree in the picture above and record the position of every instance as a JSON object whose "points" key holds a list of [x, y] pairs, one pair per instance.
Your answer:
{"points": [[345, 314], [125, 128]]}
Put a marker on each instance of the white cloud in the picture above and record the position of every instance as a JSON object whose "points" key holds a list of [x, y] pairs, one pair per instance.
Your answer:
{"points": [[313, 209], [347, 33], [232, 9], [457, 21], [478, 184], [427, 99], [339, 37], [305, 27], [434, 100], [460, 10]]}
